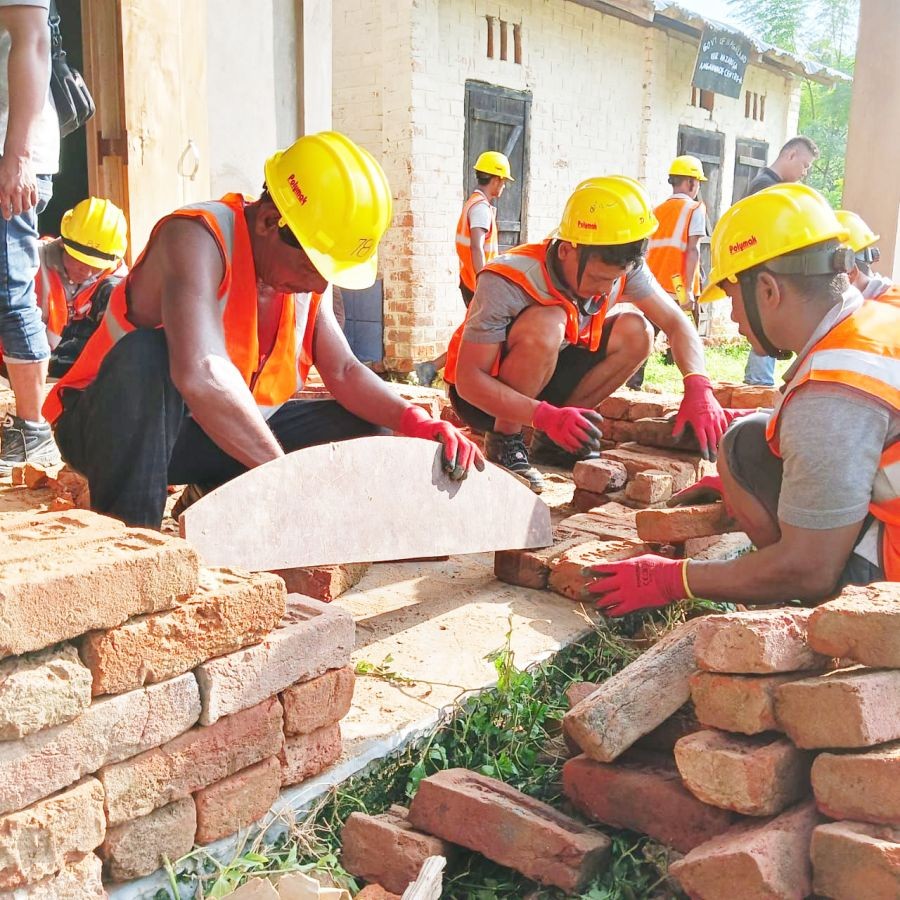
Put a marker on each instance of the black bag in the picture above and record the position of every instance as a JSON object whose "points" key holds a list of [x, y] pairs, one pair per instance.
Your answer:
{"points": [[73, 101]]}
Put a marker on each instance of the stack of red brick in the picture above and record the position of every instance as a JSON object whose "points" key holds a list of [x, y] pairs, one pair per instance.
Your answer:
{"points": [[783, 742], [147, 703]]}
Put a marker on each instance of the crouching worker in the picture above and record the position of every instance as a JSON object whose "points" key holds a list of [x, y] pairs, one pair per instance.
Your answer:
{"points": [[543, 344], [189, 377], [816, 482], [863, 242]]}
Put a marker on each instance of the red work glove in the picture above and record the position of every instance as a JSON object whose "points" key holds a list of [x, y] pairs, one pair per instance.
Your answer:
{"points": [[460, 454], [643, 582], [707, 490], [702, 412], [570, 427], [732, 414]]}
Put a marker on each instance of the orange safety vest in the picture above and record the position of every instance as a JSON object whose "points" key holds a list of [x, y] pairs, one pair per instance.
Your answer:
{"points": [[862, 352], [526, 267], [272, 379], [667, 250], [891, 294], [467, 271]]}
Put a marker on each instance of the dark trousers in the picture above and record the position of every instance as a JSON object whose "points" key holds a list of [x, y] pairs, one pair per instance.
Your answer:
{"points": [[130, 433]]}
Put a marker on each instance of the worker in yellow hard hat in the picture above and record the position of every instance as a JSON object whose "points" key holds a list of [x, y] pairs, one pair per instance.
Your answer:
{"points": [[190, 376], [863, 242], [542, 344], [813, 482]]}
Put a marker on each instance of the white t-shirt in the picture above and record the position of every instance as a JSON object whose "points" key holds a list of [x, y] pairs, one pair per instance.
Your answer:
{"points": [[45, 147], [481, 215], [698, 218]]}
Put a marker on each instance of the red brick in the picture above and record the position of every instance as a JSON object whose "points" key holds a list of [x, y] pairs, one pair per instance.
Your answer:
{"points": [[237, 801], [752, 775], [386, 849], [325, 583], [753, 860], [531, 568], [318, 702], [674, 526], [509, 828], [614, 407], [862, 624], [656, 431], [610, 522], [305, 755], [619, 431], [636, 700], [646, 409], [757, 643], [853, 861], [864, 787], [742, 703], [580, 690], [650, 487], [752, 396], [80, 879], [722, 393], [642, 792], [854, 708], [376, 892], [664, 737], [683, 471], [599, 475], [68, 573], [566, 576], [584, 501], [35, 476]]}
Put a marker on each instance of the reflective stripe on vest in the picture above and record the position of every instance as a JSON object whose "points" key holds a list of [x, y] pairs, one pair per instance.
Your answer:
{"points": [[272, 379], [862, 352], [667, 250], [467, 271]]}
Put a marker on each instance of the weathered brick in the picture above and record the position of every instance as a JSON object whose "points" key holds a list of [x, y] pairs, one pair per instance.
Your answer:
{"points": [[236, 801], [862, 624], [614, 407], [610, 522], [650, 487], [722, 393], [531, 568], [855, 861], [305, 755], [141, 846], [656, 431], [753, 860], [312, 638], [386, 849], [674, 526], [752, 396], [566, 572], [637, 699], [318, 702], [325, 583], [79, 880], [109, 730], [854, 708], [599, 475], [863, 787], [664, 737], [67, 573], [683, 471], [752, 775], [377, 892], [619, 431], [230, 609], [42, 689], [509, 828], [580, 690], [39, 841], [742, 703], [193, 760], [642, 792], [646, 409], [585, 501], [757, 643]]}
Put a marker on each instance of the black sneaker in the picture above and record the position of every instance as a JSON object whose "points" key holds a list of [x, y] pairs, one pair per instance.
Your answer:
{"points": [[508, 451], [549, 453], [22, 442]]}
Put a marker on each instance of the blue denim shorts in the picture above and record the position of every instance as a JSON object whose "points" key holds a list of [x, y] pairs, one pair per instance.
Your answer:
{"points": [[22, 333]]}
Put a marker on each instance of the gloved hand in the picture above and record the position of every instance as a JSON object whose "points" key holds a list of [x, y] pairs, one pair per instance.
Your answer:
{"points": [[701, 410], [643, 582], [707, 490], [732, 414], [460, 454], [569, 426]]}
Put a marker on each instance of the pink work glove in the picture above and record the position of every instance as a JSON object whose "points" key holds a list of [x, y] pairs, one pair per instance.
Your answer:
{"points": [[732, 414], [707, 490], [702, 412], [570, 427], [643, 582], [460, 454]]}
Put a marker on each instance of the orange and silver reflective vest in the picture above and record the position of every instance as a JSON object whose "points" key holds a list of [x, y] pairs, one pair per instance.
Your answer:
{"points": [[667, 250], [526, 267], [862, 352], [272, 378], [467, 271]]}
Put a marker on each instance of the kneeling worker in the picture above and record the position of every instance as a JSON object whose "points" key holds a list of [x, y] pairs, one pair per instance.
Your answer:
{"points": [[862, 242], [189, 377], [542, 344], [816, 482]]}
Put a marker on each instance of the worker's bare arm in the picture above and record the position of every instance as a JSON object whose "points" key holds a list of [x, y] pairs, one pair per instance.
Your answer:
{"points": [[663, 311], [692, 258], [190, 269], [476, 238], [478, 386]]}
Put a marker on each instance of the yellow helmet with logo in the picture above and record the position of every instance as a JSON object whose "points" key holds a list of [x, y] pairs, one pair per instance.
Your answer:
{"points": [[606, 210], [861, 236], [336, 200], [771, 223], [494, 163], [95, 232], [687, 167]]}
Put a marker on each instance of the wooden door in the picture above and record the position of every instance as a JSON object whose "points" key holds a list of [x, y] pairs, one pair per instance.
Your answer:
{"points": [[749, 158]]}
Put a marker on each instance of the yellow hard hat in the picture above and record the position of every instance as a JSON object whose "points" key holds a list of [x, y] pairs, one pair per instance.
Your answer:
{"points": [[606, 210], [687, 166], [95, 232], [861, 236], [494, 163], [771, 223], [336, 200]]}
